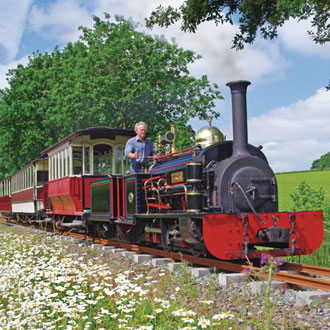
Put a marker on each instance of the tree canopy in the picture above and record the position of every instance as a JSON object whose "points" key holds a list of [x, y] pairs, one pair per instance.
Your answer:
{"points": [[112, 76], [253, 16], [322, 163]]}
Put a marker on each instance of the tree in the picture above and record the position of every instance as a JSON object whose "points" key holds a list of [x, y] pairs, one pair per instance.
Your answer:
{"points": [[322, 163], [263, 16], [112, 76], [252, 16]]}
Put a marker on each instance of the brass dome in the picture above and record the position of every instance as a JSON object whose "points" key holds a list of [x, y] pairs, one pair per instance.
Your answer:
{"points": [[208, 135]]}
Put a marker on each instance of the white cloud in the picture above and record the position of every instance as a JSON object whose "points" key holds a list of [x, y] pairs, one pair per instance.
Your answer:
{"points": [[294, 36], [12, 23], [60, 21], [4, 70], [295, 135], [222, 63], [219, 61]]}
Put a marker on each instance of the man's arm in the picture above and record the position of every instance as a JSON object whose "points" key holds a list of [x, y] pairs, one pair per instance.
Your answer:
{"points": [[129, 150]]}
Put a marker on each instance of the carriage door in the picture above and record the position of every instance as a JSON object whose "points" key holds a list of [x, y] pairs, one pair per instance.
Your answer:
{"points": [[102, 159]]}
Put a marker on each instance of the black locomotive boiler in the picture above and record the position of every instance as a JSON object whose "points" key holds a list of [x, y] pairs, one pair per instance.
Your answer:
{"points": [[220, 200]]}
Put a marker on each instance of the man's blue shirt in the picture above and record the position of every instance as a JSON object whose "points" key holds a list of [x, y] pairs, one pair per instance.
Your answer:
{"points": [[144, 149]]}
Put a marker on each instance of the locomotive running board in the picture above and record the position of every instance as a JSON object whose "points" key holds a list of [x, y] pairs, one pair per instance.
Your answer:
{"points": [[74, 223], [46, 220], [169, 215]]}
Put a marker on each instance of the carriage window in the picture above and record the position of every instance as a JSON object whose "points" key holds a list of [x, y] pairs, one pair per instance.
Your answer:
{"points": [[102, 159], [31, 177], [76, 160], [59, 164], [66, 162], [55, 167], [119, 160], [42, 177], [87, 163]]}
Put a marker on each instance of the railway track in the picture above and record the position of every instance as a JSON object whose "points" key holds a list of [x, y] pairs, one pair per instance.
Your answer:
{"points": [[307, 276]]}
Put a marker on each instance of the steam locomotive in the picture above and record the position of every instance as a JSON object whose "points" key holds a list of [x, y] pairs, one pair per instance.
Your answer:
{"points": [[215, 198]]}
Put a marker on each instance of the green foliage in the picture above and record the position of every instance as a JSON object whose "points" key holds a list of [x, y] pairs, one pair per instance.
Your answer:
{"points": [[254, 16], [322, 163], [112, 76], [307, 199]]}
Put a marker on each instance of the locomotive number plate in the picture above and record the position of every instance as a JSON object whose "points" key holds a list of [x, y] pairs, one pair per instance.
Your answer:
{"points": [[177, 177]]}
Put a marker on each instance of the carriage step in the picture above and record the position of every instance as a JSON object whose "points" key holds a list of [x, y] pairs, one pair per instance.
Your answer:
{"points": [[74, 223], [125, 221], [43, 220]]}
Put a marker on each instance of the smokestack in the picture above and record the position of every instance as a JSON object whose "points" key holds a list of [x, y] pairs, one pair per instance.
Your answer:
{"points": [[238, 94]]}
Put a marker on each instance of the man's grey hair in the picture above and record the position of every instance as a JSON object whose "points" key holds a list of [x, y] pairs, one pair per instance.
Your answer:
{"points": [[140, 123]]}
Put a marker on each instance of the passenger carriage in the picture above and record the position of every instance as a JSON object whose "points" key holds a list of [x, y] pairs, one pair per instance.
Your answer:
{"points": [[75, 162], [5, 197], [29, 190]]}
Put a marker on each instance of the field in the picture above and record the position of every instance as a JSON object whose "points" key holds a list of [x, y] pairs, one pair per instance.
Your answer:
{"points": [[288, 183]]}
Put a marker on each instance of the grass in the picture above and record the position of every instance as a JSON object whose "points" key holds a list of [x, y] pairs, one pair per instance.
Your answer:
{"points": [[288, 183]]}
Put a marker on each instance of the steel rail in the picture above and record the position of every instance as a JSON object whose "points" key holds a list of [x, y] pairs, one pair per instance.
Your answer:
{"points": [[295, 279], [309, 269]]}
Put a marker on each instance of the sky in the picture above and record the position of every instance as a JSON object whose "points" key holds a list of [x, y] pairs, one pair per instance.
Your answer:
{"points": [[287, 104]]}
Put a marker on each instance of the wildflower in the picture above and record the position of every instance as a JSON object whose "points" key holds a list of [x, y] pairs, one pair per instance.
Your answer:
{"points": [[207, 302], [218, 317], [179, 312], [149, 316], [204, 323], [228, 315], [264, 260], [188, 319]]}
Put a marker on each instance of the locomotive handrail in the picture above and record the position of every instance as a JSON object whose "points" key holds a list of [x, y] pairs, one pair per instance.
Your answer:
{"points": [[152, 188], [248, 201], [178, 152]]}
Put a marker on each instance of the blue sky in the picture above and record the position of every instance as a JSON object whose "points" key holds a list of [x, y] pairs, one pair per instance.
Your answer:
{"points": [[288, 107]]}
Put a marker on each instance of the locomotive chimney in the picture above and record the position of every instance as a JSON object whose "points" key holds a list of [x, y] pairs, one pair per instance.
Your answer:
{"points": [[238, 93]]}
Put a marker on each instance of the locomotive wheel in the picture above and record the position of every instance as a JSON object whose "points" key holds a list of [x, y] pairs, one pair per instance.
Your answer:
{"points": [[91, 229], [198, 253], [109, 231]]}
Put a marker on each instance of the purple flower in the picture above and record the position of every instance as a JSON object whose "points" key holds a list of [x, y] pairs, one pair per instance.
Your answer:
{"points": [[264, 260], [283, 291]]}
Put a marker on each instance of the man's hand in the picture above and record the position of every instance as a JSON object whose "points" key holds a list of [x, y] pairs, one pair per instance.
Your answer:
{"points": [[133, 155]]}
